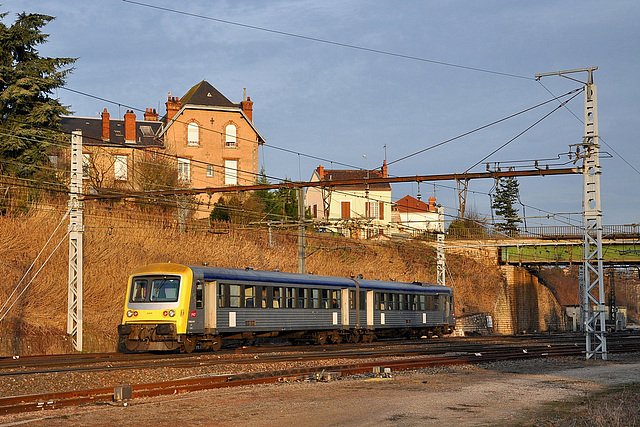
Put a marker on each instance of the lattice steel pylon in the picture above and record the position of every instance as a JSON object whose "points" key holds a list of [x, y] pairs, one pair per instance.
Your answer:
{"points": [[76, 229], [440, 257], [595, 328], [592, 301]]}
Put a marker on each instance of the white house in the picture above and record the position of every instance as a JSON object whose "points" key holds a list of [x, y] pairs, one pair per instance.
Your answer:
{"points": [[359, 210]]}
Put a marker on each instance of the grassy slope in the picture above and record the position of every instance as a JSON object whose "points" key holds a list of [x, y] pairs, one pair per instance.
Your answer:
{"points": [[117, 241]]}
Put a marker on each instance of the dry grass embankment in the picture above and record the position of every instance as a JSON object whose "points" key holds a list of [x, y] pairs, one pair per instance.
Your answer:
{"points": [[116, 241]]}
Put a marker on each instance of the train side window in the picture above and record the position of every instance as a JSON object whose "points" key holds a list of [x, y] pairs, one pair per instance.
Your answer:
{"points": [[392, 301], [303, 295], [376, 301], [221, 294], [290, 297], [234, 296], [325, 298], [400, 301], [363, 300], [335, 299], [277, 297], [412, 302], [315, 298], [139, 290], [263, 296], [384, 301], [199, 294], [436, 301], [352, 300], [249, 296], [421, 305]]}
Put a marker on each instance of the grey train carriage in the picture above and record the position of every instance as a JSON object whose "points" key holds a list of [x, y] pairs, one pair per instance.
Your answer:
{"points": [[171, 306]]}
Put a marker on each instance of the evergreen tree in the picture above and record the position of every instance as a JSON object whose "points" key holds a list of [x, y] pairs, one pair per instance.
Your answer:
{"points": [[507, 194], [29, 116]]}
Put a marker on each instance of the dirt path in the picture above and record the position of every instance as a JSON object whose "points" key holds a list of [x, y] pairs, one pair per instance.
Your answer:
{"points": [[504, 393]]}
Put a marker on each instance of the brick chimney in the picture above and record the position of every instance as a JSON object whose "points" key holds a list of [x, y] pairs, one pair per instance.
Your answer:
{"points": [[173, 106], [320, 171], [247, 108], [432, 204], [150, 115], [384, 168], [105, 126], [129, 127]]}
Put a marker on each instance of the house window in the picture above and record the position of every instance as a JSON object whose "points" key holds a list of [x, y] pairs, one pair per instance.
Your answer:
{"points": [[209, 171], [372, 210], [184, 170], [230, 136], [345, 209], [230, 172], [120, 167], [193, 134], [86, 165], [315, 210]]}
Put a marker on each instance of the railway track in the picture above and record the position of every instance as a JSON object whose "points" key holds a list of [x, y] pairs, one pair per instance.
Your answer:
{"points": [[379, 358]]}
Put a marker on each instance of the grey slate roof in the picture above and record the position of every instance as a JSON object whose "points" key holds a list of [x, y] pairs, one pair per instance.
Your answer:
{"points": [[205, 94], [91, 128]]}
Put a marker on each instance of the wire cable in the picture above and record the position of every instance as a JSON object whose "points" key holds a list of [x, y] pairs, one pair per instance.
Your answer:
{"points": [[329, 42]]}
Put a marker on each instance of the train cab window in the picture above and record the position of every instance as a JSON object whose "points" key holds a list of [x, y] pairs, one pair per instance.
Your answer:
{"points": [[303, 295], [199, 295], [335, 299], [234, 296], [249, 296], [139, 290], [290, 297], [325, 298], [221, 294], [264, 297], [315, 298], [421, 305], [436, 302], [164, 290], [277, 297]]}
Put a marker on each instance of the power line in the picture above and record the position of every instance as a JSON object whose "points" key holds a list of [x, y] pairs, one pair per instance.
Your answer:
{"points": [[483, 127], [329, 42]]}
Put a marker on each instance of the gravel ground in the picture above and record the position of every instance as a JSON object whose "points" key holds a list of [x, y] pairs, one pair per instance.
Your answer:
{"points": [[501, 393]]}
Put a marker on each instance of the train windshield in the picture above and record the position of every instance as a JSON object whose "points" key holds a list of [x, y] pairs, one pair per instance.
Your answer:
{"points": [[155, 289]]}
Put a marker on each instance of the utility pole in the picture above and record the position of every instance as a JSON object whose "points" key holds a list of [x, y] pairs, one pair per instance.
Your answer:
{"points": [[594, 326], [76, 229], [301, 236]]}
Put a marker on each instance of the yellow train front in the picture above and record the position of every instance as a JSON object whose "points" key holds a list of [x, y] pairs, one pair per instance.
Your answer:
{"points": [[172, 306]]}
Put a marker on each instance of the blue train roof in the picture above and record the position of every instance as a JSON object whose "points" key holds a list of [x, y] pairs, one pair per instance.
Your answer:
{"points": [[261, 276]]}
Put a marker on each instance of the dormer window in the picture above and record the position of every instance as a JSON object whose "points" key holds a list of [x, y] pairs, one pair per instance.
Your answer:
{"points": [[230, 136]]}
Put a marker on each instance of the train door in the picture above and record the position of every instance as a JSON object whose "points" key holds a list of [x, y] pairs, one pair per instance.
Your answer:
{"points": [[344, 307], [210, 306], [369, 309]]}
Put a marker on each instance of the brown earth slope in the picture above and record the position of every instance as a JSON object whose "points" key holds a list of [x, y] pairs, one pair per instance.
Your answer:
{"points": [[116, 241]]}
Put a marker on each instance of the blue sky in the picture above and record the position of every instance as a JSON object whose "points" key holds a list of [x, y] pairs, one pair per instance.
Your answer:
{"points": [[337, 104]]}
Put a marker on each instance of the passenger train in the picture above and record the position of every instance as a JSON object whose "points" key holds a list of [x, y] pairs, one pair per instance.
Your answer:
{"points": [[178, 307]]}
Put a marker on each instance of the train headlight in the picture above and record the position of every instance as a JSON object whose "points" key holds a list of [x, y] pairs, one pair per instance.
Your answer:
{"points": [[129, 313], [172, 313]]}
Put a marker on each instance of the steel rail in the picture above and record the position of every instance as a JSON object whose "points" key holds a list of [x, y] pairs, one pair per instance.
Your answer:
{"points": [[18, 404]]}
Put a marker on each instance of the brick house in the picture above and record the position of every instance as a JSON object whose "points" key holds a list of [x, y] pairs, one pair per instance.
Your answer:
{"points": [[204, 140]]}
